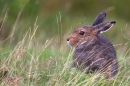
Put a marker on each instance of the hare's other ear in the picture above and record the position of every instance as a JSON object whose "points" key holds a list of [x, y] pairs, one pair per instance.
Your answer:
{"points": [[99, 19], [103, 27]]}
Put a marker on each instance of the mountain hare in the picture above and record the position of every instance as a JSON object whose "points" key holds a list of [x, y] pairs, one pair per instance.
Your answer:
{"points": [[94, 52]]}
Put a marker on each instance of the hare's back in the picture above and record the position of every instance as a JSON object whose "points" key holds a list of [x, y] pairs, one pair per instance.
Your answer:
{"points": [[106, 47]]}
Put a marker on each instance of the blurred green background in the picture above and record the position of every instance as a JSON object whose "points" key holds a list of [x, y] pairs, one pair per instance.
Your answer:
{"points": [[58, 18], [33, 49]]}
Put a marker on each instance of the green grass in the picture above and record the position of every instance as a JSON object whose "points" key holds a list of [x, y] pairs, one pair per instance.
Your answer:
{"points": [[31, 64]]}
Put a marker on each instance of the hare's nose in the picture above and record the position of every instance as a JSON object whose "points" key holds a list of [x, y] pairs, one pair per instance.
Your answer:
{"points": [[67, 39]]}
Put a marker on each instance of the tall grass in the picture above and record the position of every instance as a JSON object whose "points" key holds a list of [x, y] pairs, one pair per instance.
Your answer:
{"points": [[31, 64]]}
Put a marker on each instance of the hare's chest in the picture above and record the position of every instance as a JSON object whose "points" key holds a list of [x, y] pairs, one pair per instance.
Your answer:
{"points": [[86, 56], [86, 53], [83, 57]]}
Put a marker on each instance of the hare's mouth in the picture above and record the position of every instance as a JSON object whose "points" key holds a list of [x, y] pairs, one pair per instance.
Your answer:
{"points": [[69, 43]]}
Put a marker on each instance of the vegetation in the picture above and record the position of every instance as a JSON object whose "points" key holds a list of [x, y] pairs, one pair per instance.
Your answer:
{"points": [[31, 63], [33, 50]]}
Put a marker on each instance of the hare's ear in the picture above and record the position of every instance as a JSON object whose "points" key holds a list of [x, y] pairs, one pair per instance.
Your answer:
{"points": [[99, 19], [103, 27]]}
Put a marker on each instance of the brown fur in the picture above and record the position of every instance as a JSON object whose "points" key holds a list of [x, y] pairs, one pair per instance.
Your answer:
{"points": [[92, 50]]}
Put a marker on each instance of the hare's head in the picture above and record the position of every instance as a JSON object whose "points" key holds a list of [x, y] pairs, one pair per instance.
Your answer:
{"points": [[89, 32]]}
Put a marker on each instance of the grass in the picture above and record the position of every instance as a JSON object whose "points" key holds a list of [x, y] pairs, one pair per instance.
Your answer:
{"points": [[33, 62], [25, 65]]}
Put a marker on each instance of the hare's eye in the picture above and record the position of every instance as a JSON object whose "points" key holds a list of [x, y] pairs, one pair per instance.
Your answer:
{"points": [[81, 32]]}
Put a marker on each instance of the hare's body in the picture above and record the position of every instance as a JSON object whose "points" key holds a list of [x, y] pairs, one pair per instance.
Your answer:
{"points": [[96, 55], [92, 50]]}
